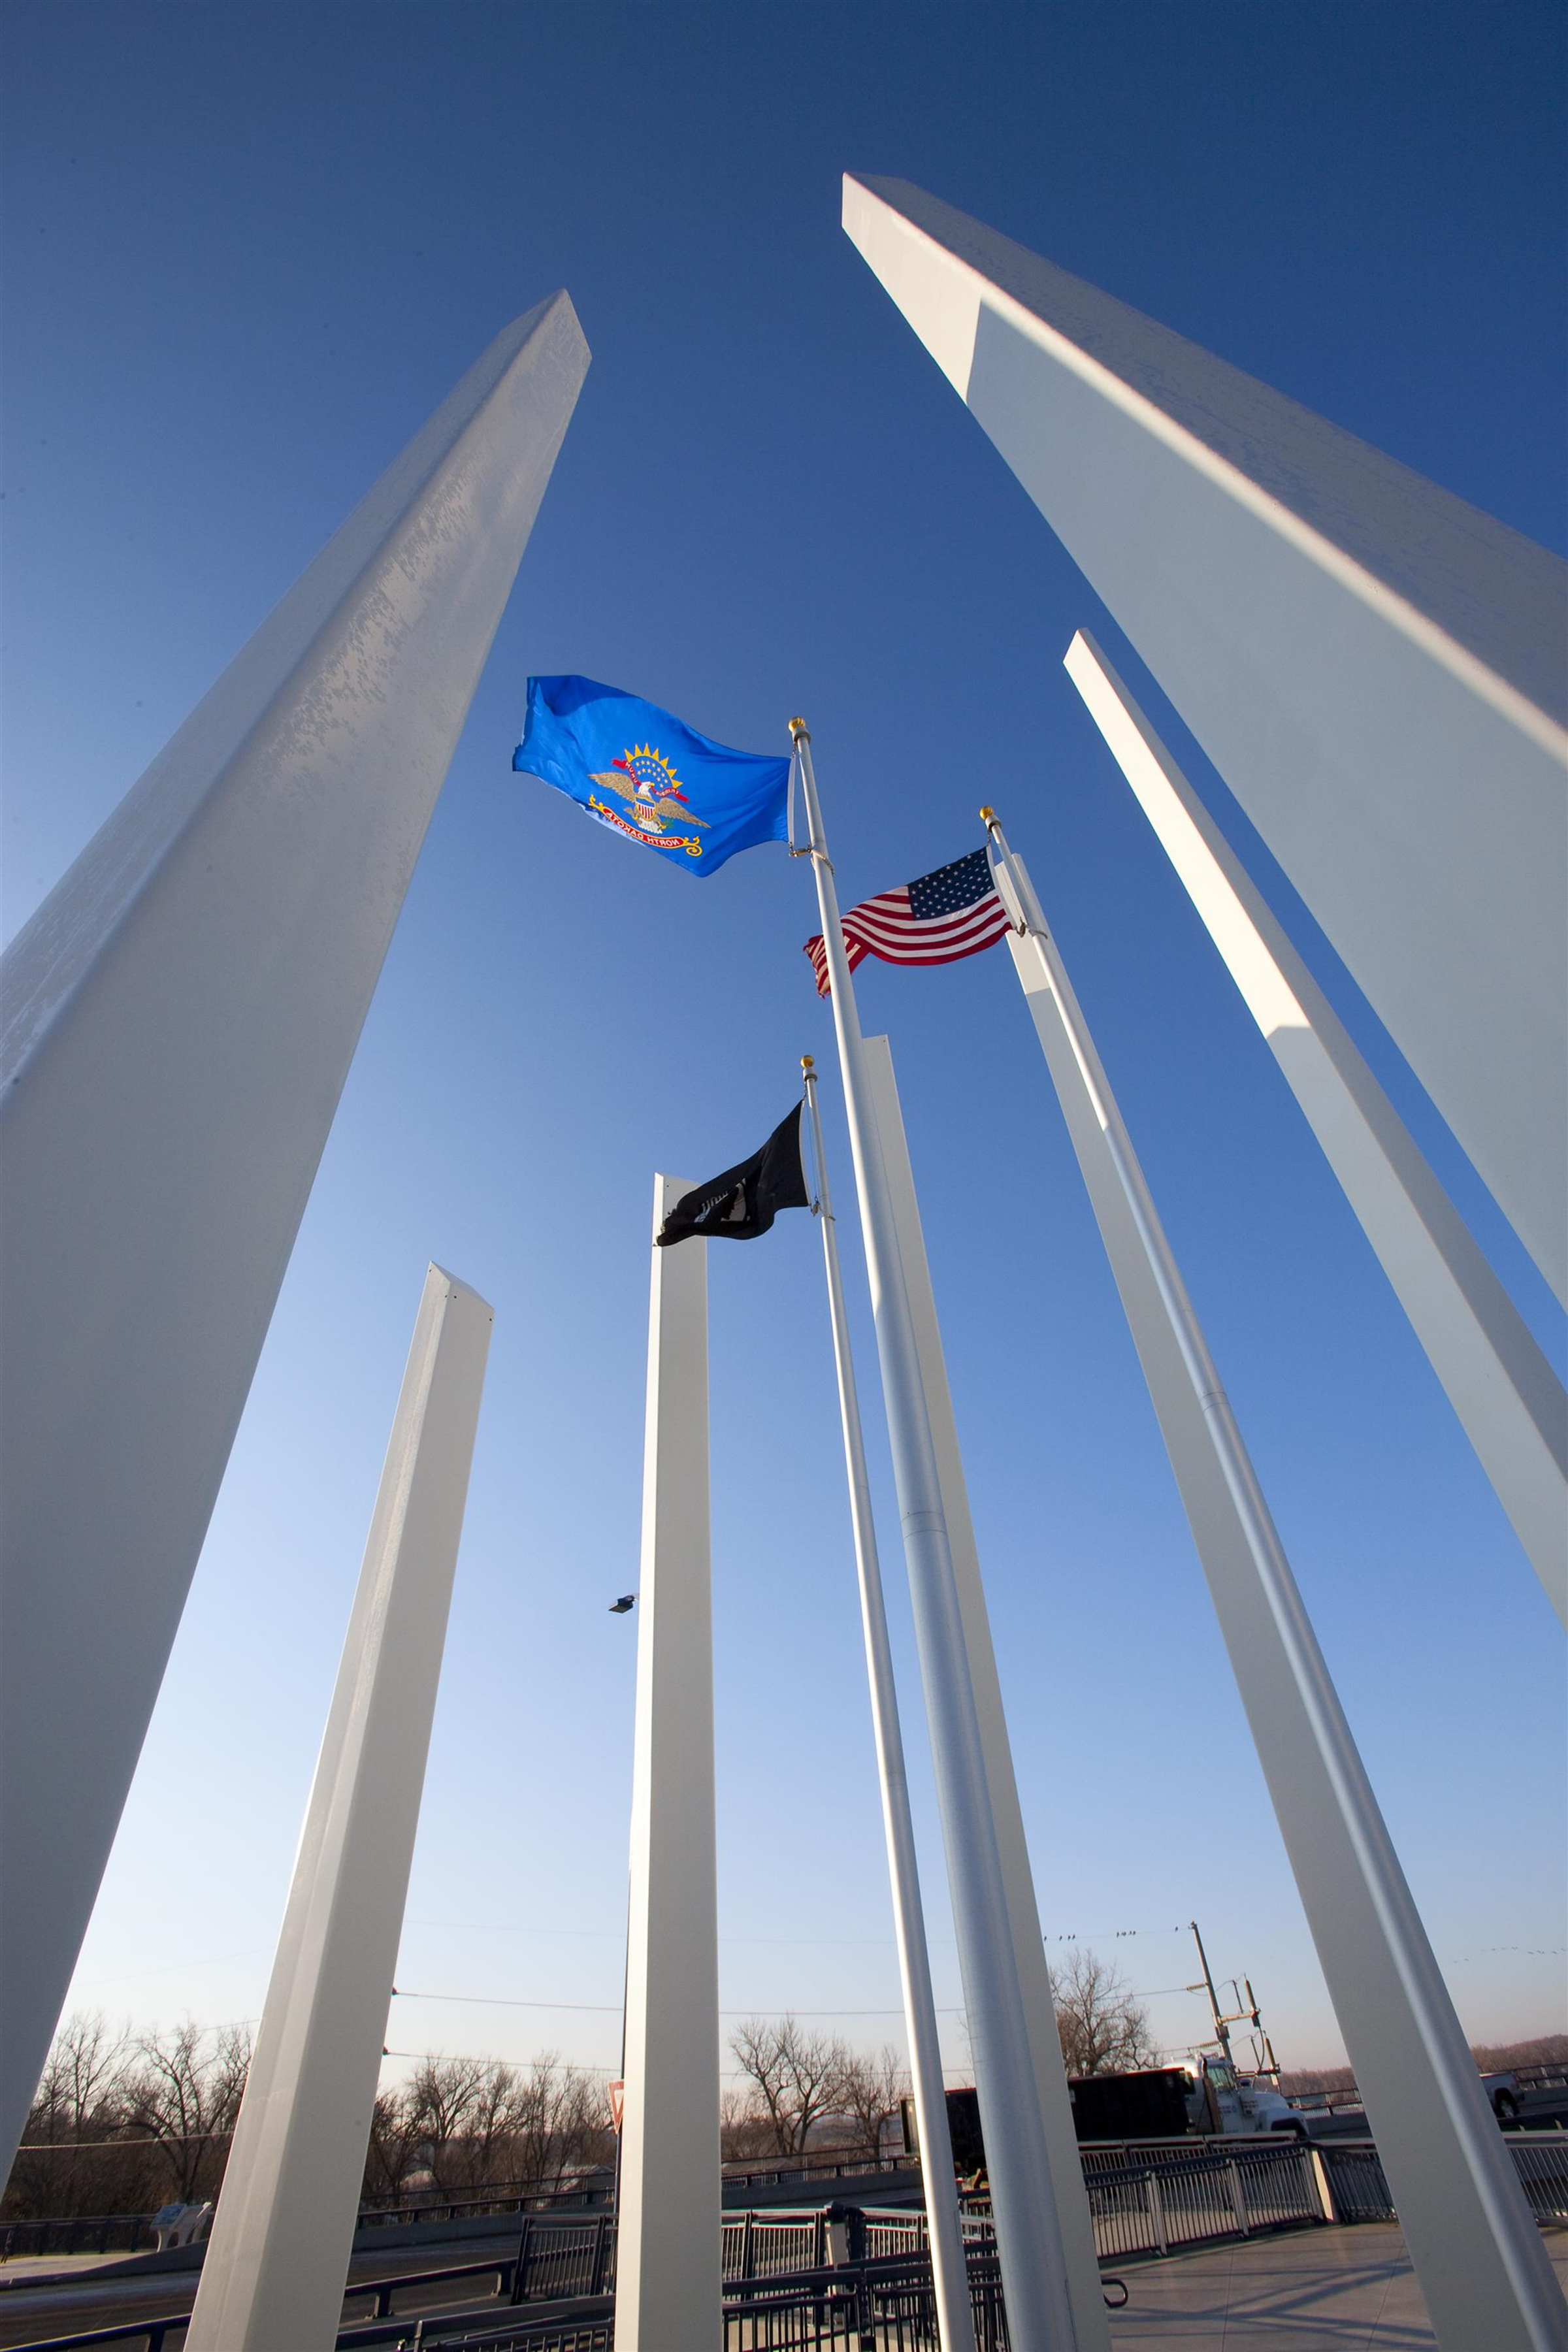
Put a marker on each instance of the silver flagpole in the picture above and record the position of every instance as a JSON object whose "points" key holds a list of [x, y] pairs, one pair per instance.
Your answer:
{"points": [[1474, 2242], [956, 2321], [1028, 2232]]}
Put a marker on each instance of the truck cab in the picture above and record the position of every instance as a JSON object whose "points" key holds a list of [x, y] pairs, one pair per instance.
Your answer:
{"points": [[1221, 2100]]}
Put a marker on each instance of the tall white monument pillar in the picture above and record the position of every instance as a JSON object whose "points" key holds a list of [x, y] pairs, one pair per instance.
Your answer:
{"points": [[278, 2256], [1473, 2240], [178, 1021], [669, 2289], [1374, 667], [1507, 1395]]}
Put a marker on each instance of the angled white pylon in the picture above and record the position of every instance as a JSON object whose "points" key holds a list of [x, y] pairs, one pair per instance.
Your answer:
{"points": [[1509, 1398], [179, 1017], [1375, 666], [278, 2256]]}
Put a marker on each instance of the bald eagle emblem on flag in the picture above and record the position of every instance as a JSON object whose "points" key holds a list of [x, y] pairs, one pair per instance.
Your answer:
{"points": [[646, 781]]}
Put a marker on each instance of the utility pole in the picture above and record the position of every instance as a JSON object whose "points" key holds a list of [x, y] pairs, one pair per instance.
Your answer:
{"points": [[1262, 2047], [1244, 2014], [1222, 2024]]}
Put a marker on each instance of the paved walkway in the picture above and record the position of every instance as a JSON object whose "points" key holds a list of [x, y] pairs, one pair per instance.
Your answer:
{"points": [[1331, 2290], [1323, 2290]]}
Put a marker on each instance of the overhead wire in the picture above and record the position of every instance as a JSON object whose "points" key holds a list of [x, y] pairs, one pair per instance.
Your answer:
{"points": [[613, 2008]]}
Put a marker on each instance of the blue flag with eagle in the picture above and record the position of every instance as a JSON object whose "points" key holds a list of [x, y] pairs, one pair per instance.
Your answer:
{"points": [[652, 777]]}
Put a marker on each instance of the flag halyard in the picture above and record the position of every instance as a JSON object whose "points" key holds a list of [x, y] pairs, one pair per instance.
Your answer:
{"points": [[937, 919]]}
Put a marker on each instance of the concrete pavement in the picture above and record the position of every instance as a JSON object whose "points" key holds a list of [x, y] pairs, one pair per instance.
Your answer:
{"points": [[1324, 2290]]}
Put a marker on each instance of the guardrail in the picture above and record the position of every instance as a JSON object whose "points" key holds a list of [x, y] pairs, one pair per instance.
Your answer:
{"points": [[496, 2197], [103, 2233], [1146, 2201], [1359, 2191], [86, 2233], [837, 2166]]}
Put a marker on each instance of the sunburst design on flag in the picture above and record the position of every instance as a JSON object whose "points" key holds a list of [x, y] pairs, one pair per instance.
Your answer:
{"points": [[643, 776]]}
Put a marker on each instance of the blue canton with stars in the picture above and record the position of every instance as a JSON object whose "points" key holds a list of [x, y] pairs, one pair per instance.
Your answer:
{"points": [[951, 887]]}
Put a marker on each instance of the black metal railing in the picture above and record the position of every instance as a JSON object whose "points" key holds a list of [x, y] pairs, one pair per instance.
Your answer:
{"points": [[792, 2278], [86, 2233], [486, 2197]]}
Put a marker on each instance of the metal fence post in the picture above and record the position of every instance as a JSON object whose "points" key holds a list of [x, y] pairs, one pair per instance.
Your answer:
{"points": [[1237, 2195], [1156, 2199], [1320, 2183], [524, 2246]]}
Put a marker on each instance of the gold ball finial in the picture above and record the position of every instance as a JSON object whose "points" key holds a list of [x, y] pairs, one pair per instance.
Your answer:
{"points": [[797, 728], [988, 815], [808, 1061]]}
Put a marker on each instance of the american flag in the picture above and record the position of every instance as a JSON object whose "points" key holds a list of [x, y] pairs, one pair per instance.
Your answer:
{"points": [[943, 916]]}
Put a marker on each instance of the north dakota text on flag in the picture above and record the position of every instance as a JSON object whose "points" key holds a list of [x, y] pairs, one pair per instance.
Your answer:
{"points": [[943, 916], [648, 776], [744, 1201]]}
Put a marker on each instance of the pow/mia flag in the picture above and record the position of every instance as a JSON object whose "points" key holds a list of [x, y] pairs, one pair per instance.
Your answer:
{"points": [[744, 1201]]}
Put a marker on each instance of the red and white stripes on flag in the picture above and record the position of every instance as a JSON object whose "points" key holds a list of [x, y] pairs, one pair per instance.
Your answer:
{"points": [[936, 918]]}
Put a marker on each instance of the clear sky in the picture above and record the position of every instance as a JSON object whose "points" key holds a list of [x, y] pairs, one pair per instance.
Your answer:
{"points": [[248, 248]]}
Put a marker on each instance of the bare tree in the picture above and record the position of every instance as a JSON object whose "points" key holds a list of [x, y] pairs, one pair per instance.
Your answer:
{"points": [[442, 2095], [392, 2147], [870, 2090], [474, 2121], [797, 2074], [71, 2159], [122, 2122], [78, 2094], [1545, 2050], [744, 2131], [1102, 2028], [491, 2125], [563, 2122], [183, 2090]]}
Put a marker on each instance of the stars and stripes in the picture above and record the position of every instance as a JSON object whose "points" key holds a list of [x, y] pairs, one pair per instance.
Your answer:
{"points": [[938, 919]]}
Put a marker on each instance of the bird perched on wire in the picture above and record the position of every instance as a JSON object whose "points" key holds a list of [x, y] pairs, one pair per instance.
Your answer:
{"points": [[618, 1608]]}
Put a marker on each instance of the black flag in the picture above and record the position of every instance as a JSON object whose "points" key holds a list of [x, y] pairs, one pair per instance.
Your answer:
{"points": [[744, 1201]]}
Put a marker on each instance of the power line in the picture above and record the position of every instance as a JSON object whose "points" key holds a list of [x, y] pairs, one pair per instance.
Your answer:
{"points": [[130, 2139], [1112, 1935], [613, 2008], [509, 2001], [578, 2066], [617, 1935]]}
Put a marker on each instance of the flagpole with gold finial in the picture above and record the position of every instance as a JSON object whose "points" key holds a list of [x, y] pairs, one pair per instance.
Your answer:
{"points": [[956, 2320], [1028, 2230]]}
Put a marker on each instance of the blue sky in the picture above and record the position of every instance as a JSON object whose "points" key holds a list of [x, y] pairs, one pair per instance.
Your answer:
{"points": [[247, 250]]}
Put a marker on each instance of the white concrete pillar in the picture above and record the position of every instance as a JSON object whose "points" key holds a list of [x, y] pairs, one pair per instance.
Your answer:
{"points": [[668, 2291], [1374, 667], [281, 2238], [179, 1018], [1506, 1394], [1091, 2323], [1474, 2243]]}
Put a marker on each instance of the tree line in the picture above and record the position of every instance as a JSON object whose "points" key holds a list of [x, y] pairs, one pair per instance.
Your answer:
{"points": [[124, 2121], [806, 2087]]}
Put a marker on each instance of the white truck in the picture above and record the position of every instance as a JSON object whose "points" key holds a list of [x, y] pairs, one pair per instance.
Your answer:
{"points": [[1222, 2100]]}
